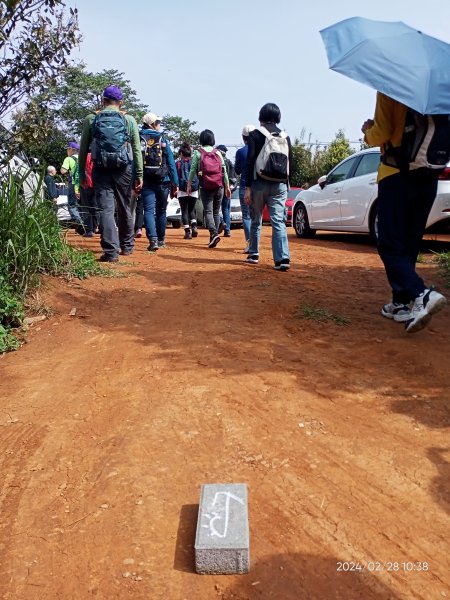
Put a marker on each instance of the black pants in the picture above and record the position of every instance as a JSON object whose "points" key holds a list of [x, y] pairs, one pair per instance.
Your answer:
{"points": [[88, 209], [188, 214], [212, 202], [404, 203], [139, 220]]}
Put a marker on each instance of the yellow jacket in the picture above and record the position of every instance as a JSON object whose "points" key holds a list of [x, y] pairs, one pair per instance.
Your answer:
{"points": [[389, 124]]}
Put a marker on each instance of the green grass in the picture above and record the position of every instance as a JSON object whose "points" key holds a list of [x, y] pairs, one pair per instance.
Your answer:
{"points": [[320, 315], [31, 244], [443, 259]]}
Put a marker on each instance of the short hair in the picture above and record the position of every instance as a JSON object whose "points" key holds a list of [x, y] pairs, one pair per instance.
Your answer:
{"points": [[207, 138], [270, 113], [50, 169], [245, 139], [185, 149]]}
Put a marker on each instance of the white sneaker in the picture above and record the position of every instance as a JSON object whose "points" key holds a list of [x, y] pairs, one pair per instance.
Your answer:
{"points": [[425, 306], [396, 311]]}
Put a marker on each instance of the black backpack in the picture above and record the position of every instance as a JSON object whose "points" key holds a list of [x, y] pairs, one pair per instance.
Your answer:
{"points": [[425, 143], [154, 150]]}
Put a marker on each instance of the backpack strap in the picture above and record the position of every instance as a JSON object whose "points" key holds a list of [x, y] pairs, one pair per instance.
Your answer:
{"points": [[266, 133]]}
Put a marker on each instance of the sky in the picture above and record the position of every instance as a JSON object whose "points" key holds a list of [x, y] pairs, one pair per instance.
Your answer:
{"points": [[217, 62]]}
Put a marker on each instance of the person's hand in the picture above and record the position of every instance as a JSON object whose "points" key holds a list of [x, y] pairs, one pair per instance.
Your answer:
{"points": [[247, 196], [77, 195], [367, 125], [188, 189], [84, 183], [138, 186], [228, 192]]}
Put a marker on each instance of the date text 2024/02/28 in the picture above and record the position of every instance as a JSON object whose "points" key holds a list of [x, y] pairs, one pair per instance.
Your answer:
{"points": [[374, 565]]}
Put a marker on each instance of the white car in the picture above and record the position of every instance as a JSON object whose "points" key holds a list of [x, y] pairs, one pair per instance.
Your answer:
{"points": [[346, 198], [173, 212], [235, 208]]}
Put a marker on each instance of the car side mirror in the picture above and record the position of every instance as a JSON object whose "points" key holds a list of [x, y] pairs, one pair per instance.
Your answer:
{"points": [[322, 181]]}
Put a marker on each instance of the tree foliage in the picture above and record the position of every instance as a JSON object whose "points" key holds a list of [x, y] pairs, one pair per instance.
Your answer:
{"points": [[56, 115], [180, 130], [311, 161], [36, 39]]}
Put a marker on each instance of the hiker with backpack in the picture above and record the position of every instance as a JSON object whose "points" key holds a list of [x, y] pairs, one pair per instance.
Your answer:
{"points": [[88, 203], [225, 222], [70, 168], [269, 163], [208, 164], [415, 149], [160, 174], [113, 138], [187, 201], [240, 167]]}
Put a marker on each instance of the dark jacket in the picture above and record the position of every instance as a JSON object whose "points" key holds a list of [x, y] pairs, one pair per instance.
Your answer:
{"points": [[256, 142], [52, 191]]}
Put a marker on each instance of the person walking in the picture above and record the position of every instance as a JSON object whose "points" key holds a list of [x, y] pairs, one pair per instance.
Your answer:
{"points": [[405, 198], [240, 167], [187, 201], [226, 202], [159, 174], [208, 164], [113, 137], [269, 163], [88, 203], [70, 168]]}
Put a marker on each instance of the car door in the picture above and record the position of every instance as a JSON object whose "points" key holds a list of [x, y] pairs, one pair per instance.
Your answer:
{"points": [[326, 200], [359, 190]]}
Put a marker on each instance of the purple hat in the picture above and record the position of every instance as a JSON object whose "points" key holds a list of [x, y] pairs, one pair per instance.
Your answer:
{"points": [[112, 92], [73, 145]]}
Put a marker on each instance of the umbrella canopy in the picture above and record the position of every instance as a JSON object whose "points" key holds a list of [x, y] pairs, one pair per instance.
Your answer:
{"points": [[393, 58]]}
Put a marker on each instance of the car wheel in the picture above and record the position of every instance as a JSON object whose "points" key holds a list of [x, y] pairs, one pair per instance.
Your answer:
{"points": [[301, 223], [176, 224], [373, 222]]}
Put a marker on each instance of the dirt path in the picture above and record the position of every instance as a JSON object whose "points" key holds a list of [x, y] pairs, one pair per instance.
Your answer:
{"points": [[193, 369]]}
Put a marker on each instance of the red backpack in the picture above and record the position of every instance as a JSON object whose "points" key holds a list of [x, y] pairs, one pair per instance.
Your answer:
{"points": [[210, 170]]}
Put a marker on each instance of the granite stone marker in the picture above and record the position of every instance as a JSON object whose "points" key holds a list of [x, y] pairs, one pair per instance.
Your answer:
{"points": [[222, 543]]}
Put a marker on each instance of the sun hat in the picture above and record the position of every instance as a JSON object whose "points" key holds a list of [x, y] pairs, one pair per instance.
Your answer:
{"points": [[247, 130], [112, 92], [151, 118]]}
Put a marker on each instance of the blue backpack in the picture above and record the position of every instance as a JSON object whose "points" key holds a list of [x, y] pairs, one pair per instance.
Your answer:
{"points": [[184, 166], [111, 147]]}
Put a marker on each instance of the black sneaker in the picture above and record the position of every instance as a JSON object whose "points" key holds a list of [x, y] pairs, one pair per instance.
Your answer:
{"points": [[221, 228], [227, 234], [153, 247], [252, 259], [126, 252], [214, 240], [162, 244], [108, 258], [282, 265], [187, 234], [194, 231]]}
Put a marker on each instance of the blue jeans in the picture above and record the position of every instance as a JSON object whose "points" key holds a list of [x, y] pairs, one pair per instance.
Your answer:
{"points": [[274, 195], [246, 221], [404, 203], [226, 212], [154, 197]]}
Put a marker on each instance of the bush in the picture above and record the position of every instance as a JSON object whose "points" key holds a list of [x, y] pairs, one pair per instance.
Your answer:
{"points": [[31, 244]]}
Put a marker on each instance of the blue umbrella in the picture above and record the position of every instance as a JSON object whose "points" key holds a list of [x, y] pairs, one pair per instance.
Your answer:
{"points": [[393, 58]]}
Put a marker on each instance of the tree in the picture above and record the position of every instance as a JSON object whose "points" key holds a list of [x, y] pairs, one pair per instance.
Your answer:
{"points": [[302, 158], [338, 149], [180, 130], [53, 117], [36, 40]]}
